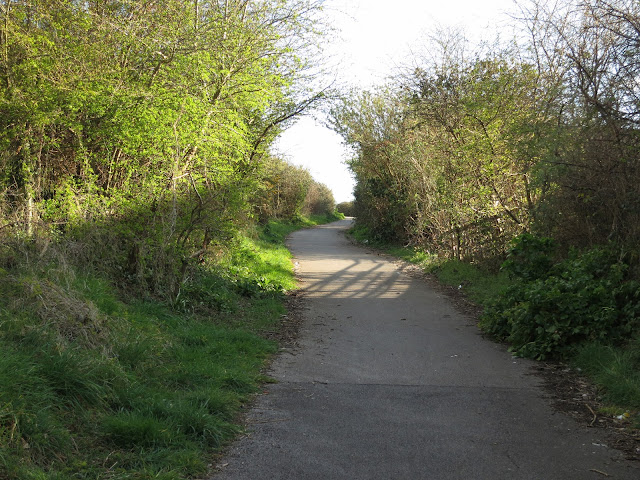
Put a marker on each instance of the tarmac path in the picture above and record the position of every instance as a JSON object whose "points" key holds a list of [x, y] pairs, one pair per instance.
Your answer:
{"points": [[391, 382]]}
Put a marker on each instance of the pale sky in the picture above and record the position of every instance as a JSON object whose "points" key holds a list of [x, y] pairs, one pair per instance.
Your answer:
{"points": [[376, 37]]}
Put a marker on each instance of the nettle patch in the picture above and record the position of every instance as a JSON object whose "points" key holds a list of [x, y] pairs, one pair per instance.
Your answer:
{"points": [[551, 307]]}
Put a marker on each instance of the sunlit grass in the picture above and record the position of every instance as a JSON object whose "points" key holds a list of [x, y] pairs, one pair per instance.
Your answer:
{"points": [[478, 283], [94, 387]]}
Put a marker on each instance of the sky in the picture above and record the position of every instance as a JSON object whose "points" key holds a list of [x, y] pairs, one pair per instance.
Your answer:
{"points": [[374, 38]]}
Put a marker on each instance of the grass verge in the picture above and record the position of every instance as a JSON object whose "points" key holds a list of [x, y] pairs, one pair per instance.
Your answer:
{"points": [[93, 387]]}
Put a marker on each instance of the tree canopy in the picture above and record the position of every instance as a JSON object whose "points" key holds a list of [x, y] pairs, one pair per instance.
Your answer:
{"points": [[144, 126], [465, 151]]}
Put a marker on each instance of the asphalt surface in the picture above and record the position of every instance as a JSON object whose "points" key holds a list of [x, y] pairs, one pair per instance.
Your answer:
{"points": [[391, 382]]}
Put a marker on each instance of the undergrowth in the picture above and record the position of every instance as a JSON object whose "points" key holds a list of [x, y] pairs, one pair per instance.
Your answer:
{"points": [[92, 386], [551, 306], [479, 284]]}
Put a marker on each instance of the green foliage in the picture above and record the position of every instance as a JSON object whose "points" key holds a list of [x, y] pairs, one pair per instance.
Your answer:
{"points": [[462, 153], [548, 309], [284, 189], [155, 388], [361, 233], [287, 192], [385, 193], [256, 267], [443, 159], [614, 369], [319, 219], [128, 429], [346, 208], [159, 380], [132, 141], [474, 281], [319, 200], [529, 257], [276, 231], [138, 133]]}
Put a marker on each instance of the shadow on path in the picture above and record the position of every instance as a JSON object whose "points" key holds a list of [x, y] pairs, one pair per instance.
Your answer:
{"points": [[391, 382]]}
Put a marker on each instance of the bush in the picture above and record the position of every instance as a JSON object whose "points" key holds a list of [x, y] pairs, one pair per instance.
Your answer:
{"points": [[319, 200], [529, 257], [552, 307], [346, 208]]}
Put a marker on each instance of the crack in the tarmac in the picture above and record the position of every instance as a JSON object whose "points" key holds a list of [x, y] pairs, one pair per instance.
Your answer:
{"points": [[411, 385]]}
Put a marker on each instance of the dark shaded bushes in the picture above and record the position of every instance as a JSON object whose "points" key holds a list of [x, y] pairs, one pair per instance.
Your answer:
{"points": [[551, 306]]}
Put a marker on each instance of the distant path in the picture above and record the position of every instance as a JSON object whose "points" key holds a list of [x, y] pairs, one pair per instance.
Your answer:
{"points": [[392, 383]]}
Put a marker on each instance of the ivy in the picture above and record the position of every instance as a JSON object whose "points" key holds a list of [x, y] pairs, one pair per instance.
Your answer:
{"points": [[551, 307]]}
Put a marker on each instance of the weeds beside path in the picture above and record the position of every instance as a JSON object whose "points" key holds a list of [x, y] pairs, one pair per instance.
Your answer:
{"points": [[97, 385]]}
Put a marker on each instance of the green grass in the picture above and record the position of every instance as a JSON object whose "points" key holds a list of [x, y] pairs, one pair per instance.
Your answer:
{"points": [[277, 230], [616, 371], [257, 266], [92, 387], [478, 283], [160, 381]]}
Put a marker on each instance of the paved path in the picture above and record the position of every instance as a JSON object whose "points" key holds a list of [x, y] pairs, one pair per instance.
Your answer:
{"points": [[391, 382]]}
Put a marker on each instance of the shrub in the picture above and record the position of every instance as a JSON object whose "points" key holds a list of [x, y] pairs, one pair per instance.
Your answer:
{"points": [[529, 257], [319, 200], [615, 370], [551, 307], [346, 208]]}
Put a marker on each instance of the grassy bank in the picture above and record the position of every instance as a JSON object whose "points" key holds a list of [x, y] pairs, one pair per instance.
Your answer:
{"points": [[94, 385], [613, 366]]}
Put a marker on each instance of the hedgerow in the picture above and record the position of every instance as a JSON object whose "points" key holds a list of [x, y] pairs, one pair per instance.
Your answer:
{"points": [[551, 307]]}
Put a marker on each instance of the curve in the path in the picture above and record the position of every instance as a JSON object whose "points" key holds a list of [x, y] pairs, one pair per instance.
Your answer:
{"points": [[390, 382]]}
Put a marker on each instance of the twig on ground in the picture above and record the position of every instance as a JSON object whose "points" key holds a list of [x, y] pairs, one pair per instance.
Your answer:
{"points": [[593, 413]]}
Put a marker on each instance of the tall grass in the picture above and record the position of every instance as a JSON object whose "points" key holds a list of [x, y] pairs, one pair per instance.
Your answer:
{"points": [[95, 387], [616, 370]]}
